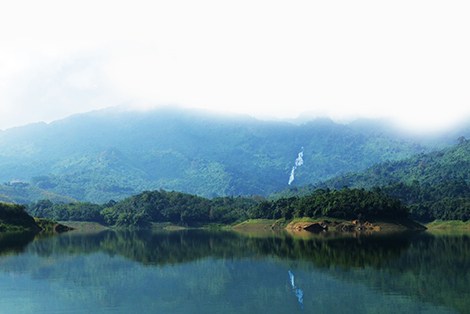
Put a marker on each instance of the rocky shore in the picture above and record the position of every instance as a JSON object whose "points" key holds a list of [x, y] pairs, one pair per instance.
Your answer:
{"points": [[326, 225]]}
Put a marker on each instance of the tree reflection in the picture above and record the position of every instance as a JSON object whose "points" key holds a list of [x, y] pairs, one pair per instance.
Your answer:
{"points": [[206, 264], [172, 248], [14, 242]]}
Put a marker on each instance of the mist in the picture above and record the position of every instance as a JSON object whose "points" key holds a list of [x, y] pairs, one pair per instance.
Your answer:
{"points": [[358, 62]]}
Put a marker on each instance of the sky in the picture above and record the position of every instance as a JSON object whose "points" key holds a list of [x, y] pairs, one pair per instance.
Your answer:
{"points": [[408, 60]]}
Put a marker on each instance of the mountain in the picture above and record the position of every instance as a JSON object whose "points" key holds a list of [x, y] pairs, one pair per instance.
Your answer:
{"points": [[24, 193], [434, 185], [115, 153], [434, 168]]}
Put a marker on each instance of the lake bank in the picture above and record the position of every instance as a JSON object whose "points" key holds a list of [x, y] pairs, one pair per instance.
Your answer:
{"points": [[13, 217], [452, 226], [84, 225], [325, 224]]}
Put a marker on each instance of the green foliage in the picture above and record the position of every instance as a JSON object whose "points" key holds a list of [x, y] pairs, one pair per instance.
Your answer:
{"points": [[434, 168], [186, 209], [79, 211], [24, 193], [346, 204], [149, 207], [293, 191], [433, 186], [175, 207], [14, 217], [109, 154]]}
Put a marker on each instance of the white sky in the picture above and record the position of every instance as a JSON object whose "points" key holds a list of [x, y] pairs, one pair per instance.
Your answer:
{"points": [[346, 59]]}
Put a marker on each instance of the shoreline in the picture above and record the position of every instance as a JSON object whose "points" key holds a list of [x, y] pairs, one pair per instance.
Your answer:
{"points": [[440, 225], [326, 224], [382, 226]]}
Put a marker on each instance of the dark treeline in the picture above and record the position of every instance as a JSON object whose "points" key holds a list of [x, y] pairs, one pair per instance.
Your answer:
{"points": [[187, 209], [150, 206], [346, 204], [78, 211], [14, 217], [449, 200]]}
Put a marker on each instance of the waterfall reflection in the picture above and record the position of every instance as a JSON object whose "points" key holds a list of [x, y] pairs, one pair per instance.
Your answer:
{"points": [[298, 292]]}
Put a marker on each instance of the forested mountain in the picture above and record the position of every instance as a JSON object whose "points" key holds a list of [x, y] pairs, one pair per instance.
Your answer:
{"points": [[186, 209], [434, 185], [434, 168], [13, 217], [115, 153], [24, 193]]}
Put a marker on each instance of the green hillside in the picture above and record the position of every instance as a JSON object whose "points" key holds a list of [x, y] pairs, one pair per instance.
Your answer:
{"points": [[24, 193], [114, 153], [435, 185], [13, 217], [432, 168], [346, 204], [191, 210]]}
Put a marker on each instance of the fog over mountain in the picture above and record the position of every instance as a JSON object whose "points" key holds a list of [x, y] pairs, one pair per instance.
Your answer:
{"points": [[114, 153], [345, 60]]}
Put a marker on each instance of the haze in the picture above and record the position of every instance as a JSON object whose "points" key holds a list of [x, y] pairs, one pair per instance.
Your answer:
{"points": [[345, 59]]}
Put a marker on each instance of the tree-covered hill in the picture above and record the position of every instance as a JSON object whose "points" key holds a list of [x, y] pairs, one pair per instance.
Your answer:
{"points": [[432, 168], [186, 209], [24, 193], [435, 185], [157, 206], [346, 204], [13, 217], [115, 153]]}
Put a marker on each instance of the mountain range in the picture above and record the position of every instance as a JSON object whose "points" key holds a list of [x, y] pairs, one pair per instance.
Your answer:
{"points": [[115, 153]]}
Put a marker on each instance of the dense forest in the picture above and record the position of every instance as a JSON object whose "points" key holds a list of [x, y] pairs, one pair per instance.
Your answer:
{"points": [[190, 210], [147, 207], [434, 186], [114, 154], [13, 217], [70, 169], [346, 204]]}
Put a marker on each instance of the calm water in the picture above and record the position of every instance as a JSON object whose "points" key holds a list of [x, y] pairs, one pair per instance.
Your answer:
{"points": [[196, 271]]}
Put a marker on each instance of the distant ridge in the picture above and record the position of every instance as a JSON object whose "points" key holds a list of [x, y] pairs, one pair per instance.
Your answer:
{"points": [[435, 186], [115, 153], [25, 193]]}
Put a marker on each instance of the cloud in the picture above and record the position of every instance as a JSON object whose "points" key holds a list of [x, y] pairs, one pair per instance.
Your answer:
{"points": [[54, 89], [403, 59]]}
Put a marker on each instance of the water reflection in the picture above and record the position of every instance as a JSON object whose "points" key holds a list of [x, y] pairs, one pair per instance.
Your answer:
{"points": [[191, 270], [14, 242], [171, 248], [298, 292]]}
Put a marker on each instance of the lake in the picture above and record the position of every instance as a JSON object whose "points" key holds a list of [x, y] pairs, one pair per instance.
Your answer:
{"points": [[197, 271]]}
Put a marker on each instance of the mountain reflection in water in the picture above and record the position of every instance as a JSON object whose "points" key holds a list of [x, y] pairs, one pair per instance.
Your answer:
{"points": [[183, 271]]}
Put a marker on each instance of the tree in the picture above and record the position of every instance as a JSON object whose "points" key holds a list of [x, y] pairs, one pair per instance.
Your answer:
{"points": [[462, 140]]}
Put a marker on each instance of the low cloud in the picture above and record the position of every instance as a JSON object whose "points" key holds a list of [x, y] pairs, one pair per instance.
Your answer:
{"points": [[369, 59]]}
